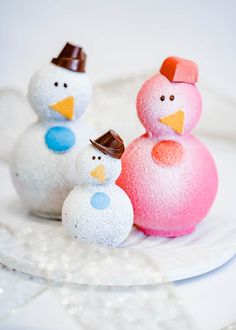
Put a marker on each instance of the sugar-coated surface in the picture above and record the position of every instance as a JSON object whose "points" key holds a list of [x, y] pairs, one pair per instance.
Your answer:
{"points": [[42, 177], [42, 91], [43, 169], [170, 193], [85, 164], [151, 108], [170, 199], [97, 212], [107, 227]]}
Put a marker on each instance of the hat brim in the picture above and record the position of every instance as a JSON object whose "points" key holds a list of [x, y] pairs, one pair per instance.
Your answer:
{"points": [[106, 151], [72, 64]]}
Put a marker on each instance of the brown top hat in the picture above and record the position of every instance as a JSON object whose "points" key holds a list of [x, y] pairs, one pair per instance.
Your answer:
{"points": [[110, 144], [71, 58]]}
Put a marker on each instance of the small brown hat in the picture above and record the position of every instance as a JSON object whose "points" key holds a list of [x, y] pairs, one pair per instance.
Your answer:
{"points": [[71, 58], [110, 144]]}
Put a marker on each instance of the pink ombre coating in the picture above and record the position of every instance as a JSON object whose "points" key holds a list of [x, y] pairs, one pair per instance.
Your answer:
{"points": [[168, 200], [171, 200]]}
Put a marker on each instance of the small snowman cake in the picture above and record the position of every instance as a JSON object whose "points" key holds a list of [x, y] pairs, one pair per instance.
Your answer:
{"points": [[97, 210], [41, 162]]}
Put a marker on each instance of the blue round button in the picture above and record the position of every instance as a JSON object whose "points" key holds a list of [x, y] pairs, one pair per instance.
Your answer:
{"points": [[100, 201], [59, 138]]}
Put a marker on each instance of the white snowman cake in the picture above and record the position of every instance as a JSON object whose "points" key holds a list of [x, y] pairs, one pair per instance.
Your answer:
{"points": [[41, 162], [97, 210]]}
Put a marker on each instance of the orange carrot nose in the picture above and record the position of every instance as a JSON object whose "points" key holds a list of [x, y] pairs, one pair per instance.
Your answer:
{"points": [[99, 173], [65, 107], [175, 121]]}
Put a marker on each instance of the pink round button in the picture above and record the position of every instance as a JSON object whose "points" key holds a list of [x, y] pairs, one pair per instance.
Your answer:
{"points": [[167, 153]]}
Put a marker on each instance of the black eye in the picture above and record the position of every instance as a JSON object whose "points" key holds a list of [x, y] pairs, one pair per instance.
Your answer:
{"points": [[65, 85], [99, 157], [172, 97], [94, 157], [56, 83], [162, 98]]}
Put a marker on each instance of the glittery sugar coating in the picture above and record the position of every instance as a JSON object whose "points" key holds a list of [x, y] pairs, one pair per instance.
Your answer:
{"points": [[151, 108], [42, 161], [168, 174], [42, 177], [52, 84], [171, 200], [97, 211], [91, 158]]}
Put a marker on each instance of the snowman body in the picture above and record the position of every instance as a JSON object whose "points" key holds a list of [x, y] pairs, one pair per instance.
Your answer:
{"points": [[97, 210], [41, 160], [168, 200], [169, 174], [42, 177], [99, 215]]}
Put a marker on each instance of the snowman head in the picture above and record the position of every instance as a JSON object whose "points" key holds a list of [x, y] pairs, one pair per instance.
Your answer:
{"points": [[62, 90], [99, 163], [169, 102]]}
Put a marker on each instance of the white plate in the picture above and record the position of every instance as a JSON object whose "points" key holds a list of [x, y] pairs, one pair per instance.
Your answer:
{"points": [[40, 247]]}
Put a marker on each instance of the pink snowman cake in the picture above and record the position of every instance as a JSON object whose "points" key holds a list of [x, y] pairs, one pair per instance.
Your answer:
{"points": [[168, 173]]}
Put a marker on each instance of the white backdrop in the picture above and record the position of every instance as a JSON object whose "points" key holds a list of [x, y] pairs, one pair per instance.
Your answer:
{"points": [[120, 37]]}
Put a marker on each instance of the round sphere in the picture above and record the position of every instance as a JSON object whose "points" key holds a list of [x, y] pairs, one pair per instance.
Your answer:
{"points": [[91, 158], [168, 200], [52, 84], [101, 215], [42, 177], [158, 97]]}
